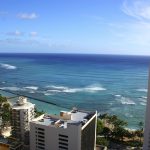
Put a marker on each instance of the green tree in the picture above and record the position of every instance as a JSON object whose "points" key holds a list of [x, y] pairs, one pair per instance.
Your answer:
{"points": [[2, 100], [120, 133], [38, 113], [100, 126], [4, 111], [106, 132], [102, 141]]}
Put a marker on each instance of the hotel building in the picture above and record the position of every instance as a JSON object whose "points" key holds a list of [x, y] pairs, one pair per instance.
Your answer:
{"points": [[22, 114], [74, 130]]}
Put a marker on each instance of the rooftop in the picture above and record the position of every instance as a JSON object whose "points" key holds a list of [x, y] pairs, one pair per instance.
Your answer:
{"points": [[74, 117], [22, 103]]}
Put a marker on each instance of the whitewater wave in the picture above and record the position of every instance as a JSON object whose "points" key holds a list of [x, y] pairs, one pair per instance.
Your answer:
{"points": [[142, 103], [117, 95], [7, 66], [31, 87], [128, 115], [142, 90], [142, 100], [127, 101], [144, 97], [10, 88], [92, 88]]}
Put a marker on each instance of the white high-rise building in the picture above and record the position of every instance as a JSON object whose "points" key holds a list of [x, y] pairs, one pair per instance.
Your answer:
{"points": [[22, 114], [146, 145], [74, 130]]}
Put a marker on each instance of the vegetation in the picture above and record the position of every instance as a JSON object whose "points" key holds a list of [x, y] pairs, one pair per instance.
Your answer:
{"points": [[111, 129], [38, 113], [5, 112], [102, 141]]}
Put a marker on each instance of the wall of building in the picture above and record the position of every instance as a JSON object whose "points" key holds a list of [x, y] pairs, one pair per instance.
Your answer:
{"points": [[88, 138], [146, 145], [55, 138]]}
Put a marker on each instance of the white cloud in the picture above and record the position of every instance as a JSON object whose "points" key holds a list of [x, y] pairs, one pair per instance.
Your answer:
{"points": [[27, 16], [33, 34], [139, 9], [16, 33], [134, 33]]}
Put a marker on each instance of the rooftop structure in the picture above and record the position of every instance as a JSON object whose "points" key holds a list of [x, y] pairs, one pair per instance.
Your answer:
{"points": [[73, 130], [65, 119]]}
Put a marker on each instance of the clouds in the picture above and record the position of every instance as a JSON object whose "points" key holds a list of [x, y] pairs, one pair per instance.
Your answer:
{"points": [[135, 31], [139, 9], [33, 34], [18, 33], [15, 33], [27, 16], [22, 16]]}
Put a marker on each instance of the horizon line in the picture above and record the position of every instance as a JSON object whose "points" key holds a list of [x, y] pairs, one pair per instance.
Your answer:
{"points": [[73, 53]]}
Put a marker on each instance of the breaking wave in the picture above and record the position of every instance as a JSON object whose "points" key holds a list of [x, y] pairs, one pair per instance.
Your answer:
{"points": [[7, 66], [31, 87], [142, 103], [126, 101], [142, 90], [92, 89], [10, 88]]}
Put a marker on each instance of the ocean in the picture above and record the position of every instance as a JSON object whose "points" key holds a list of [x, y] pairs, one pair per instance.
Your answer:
{"points": [[112, 84]]}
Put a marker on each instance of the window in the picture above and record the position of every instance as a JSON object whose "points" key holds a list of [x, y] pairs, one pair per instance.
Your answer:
{"points": [[66, 144], [61, 135], [41, 136], [65, 140], [40, 129]]}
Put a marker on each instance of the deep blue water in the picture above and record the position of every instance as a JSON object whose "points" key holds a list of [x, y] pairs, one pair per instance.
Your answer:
{"points": [[107, 83]]}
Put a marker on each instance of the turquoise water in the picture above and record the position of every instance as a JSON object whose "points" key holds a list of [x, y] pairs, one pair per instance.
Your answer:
{"points": [[106, 83]]}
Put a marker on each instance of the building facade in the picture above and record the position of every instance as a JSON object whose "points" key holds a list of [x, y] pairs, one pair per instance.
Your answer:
{"points": [[22, 114], [74, 130], [146, 145]]}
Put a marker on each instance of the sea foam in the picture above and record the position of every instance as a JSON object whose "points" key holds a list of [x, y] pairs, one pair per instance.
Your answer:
{"points": [[142, 103], [126, 101], [142, 90], [7, 66], [31, 87], [10, 88], [91, 89]]}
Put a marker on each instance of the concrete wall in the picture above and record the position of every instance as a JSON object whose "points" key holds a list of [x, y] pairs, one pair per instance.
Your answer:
{"points": [[52, 136]]}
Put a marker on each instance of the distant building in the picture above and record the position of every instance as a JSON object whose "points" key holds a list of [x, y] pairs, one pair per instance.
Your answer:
{"points": [[9, 144], [146, 145], [22, 114], [74, 130]]}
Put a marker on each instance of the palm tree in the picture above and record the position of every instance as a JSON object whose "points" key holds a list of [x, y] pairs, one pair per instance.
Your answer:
{"points": [[106, 132], [140, 131], [2, 100]]}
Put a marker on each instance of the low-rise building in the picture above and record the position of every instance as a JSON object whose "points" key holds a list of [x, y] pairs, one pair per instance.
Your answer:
{"points": [[10, 144], [74, 130]]}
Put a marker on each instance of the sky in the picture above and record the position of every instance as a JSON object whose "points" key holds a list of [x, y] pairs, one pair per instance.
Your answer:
{"points": [[75, 26]]}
